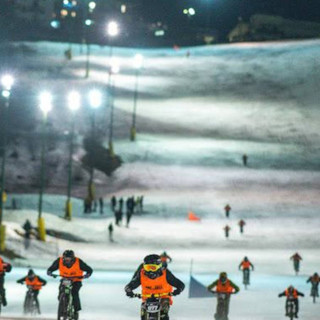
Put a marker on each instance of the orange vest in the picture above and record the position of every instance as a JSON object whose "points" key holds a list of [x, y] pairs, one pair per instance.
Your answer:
{"points": [[224, 288], [36, 284], [245, 264], [73, 271], [294, 294], [2, 265], [155, 286]]}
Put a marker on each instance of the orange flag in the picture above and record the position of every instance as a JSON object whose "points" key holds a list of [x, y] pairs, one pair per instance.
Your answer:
{"points": [[193, 217]]}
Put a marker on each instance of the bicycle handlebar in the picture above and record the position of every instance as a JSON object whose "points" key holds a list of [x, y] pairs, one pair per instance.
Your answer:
{"points": [[216, 292], [155, 295], [58, 275]]}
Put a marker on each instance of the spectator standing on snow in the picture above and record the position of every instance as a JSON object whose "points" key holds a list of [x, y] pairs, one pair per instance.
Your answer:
{"points": [[128, 217], [141, 204], [110, 229], [121, 204], [113, 203], [241, 223], [227, 210], [101, 204], [227, 230], [27, 227], [87, 205], [118, 217], [245, 160]]}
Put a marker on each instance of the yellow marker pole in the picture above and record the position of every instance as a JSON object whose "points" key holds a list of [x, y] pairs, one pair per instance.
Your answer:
{"points": [[2, 238], [42, 229]]}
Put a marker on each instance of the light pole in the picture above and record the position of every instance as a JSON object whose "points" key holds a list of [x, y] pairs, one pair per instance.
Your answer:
{"points": [[45, 105], [95, 100], [112, 31], [74, 105], [114, 69], [7, 83], [138, 61]]}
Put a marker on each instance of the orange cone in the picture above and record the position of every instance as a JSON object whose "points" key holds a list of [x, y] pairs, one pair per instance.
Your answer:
{"points": [[193, 217]]}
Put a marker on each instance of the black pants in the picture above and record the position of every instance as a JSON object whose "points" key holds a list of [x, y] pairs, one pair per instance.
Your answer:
{"points": [[75, 295], [296, 302], [2, 289]]}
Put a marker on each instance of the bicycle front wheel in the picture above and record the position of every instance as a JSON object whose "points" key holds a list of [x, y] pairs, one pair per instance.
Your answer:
{"points": [[63, 308]]}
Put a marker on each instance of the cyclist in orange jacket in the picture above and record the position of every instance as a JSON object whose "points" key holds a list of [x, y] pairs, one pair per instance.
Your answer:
{"points": [[70, 266], [4, 267], [225, 286], [245, 266], [292, 294], [36, 283], [154, 279]]}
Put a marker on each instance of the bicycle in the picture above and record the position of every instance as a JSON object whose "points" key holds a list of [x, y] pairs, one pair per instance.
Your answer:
{"points": [[222, 305], [246, 277], [314, 293], [66, 309], [30, 303], [291, 309], [153, 305]]}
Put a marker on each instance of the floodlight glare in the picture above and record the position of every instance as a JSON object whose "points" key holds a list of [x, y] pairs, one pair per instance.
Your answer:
{"points": [[112, 29], [7, 81], [138, 61], [95, 98], [92, 5], [88, 22], [115, 65], [6, 93], [45, 102], [192, 12], [74, 100]]}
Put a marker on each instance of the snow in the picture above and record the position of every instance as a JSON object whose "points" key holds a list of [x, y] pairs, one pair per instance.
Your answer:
{"points": [[196, 118]]}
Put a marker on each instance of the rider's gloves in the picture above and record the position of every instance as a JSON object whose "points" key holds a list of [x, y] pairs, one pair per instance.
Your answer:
{"points": [[129, 293], [176, 292], [49, 273], [279, 295]]}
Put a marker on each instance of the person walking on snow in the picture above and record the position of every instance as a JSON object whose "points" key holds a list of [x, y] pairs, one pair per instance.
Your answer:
{"points": [[241, 224], [113, 203], [292, 294], [245, 160], [227, 209], [110, 229], [227, 230]]}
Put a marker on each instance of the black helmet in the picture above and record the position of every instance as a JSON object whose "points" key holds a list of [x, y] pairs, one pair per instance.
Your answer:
{"points": [[152, 266], [316, 274], [68, 254], [68, 258], [31, 273], [245, 258], [223, 277]]}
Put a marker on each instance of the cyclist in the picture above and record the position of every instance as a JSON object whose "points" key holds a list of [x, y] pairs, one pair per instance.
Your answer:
{"points": [[245, 266], [314, 280], [165, 259], [36, 283], [154, 279], [296, 258], [70, 266], [223, 285], [292, 294], [4, 267]]}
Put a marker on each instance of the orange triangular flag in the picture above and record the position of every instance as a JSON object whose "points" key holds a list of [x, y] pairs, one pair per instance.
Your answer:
{"points": [[193, 217]]}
